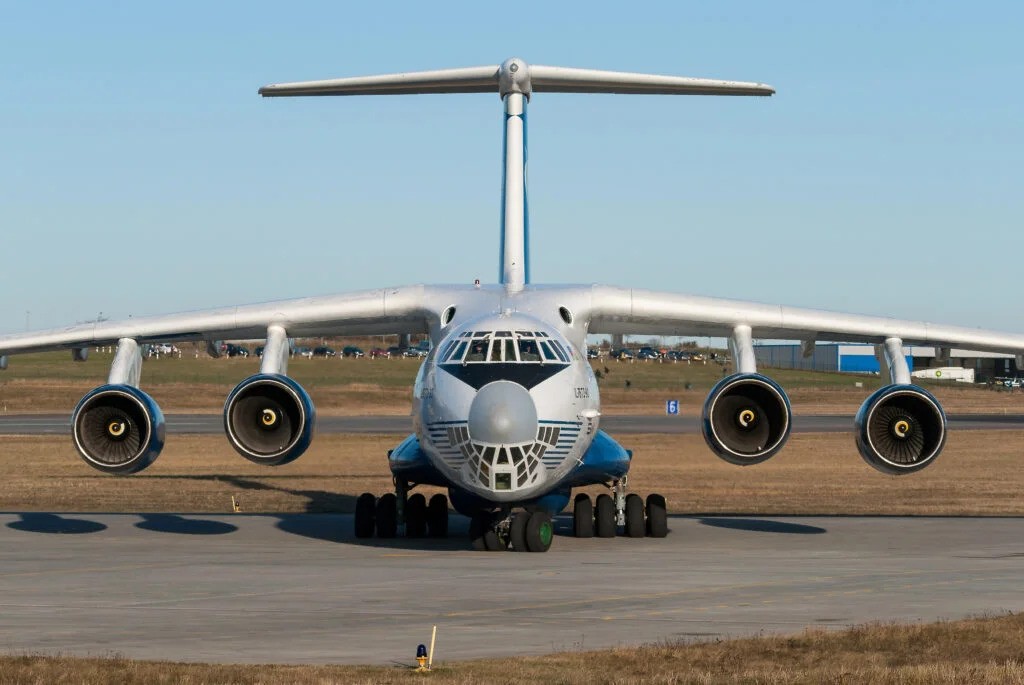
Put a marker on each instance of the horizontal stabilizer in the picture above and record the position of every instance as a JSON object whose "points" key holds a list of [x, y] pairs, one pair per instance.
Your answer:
{"points": [[467, 80], [516, 76]]}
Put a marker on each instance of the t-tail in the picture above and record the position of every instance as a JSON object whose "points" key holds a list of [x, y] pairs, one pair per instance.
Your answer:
{"points": [[515, 80]]}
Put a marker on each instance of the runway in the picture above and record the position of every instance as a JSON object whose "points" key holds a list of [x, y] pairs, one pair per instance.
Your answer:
{"points": [[299, 589], [60, 424]]}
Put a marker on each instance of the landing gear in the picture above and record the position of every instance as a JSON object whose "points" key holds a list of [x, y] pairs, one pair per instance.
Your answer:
{"points": [[583, 517], [387, 514], [416, 516], [609, 511], [635, 525], [484, 533], [523, 531], [539, 532], [604, 516]]}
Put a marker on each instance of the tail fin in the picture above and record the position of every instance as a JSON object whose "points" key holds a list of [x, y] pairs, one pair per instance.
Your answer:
{"points": [[515, 80]]}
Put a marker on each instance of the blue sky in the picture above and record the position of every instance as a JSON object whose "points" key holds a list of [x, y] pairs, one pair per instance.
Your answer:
{"points": [[142, 174]]}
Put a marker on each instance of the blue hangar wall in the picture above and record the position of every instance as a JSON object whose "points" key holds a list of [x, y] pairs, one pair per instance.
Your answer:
{"points": [[826, 357]]}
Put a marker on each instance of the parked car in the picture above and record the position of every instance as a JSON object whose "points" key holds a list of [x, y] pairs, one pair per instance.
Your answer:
{"points": [[414, 352], [162, 349], [394, 351], [377, 353], [648, 353], [592, 353], [623, 353], [232, 350], [323, 351], [258, 351], [302, 352], [351, 351]]}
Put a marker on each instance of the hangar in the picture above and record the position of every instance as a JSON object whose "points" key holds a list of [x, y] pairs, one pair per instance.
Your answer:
{"points": [[860, 358]]}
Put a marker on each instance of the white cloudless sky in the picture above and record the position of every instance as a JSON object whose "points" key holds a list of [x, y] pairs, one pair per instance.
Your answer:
{"points": [[140, 173]]}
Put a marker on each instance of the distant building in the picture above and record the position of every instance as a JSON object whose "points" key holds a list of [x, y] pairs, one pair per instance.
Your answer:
{"points": [[860, 358]]}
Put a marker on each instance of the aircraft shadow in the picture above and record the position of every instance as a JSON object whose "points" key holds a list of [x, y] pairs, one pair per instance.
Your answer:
{"points": [[37, 522], [173, 523], [762, 526]]}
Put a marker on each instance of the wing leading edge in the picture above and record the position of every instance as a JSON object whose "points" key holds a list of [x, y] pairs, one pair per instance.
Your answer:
{"points": [[648, 312], [370, 312]]}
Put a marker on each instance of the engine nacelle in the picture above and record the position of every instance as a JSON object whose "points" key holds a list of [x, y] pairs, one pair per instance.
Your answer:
{"points": [[269, 419], [900, 429], [746, 418], [118, 429]]}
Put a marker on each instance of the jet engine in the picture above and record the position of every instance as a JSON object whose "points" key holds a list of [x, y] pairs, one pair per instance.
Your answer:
{"points": [[900, 429], [118, 429], [269, 419], [746, 418]]}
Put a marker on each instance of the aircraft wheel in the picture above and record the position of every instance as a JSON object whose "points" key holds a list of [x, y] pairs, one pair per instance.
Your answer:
{"points": [[583, 517], [657, 516], [604, 516], [387, 516], [416, 516], [517, 531], [366, 507], [635, 527], [539, 532], [437, 516], [479, 524]]}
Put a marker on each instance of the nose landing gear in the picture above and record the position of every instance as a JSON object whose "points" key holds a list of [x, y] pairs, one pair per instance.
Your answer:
{"points": [[523, 531]]}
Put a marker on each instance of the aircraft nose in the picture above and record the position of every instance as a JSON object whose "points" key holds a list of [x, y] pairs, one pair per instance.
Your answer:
{"points": [[503, 413]]}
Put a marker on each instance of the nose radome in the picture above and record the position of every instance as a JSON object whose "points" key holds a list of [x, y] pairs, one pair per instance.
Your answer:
{"points": [[503, 413]]}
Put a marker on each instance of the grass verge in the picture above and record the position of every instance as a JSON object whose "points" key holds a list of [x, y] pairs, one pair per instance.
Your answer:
{"points": [[980, 650]]}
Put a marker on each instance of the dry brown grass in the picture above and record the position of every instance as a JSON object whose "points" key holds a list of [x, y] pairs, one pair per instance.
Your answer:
{"points": [[978, 474], [984, 650]]}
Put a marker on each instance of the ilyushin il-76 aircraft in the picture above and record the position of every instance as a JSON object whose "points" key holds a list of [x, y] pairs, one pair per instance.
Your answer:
{"points": [[506, 408]]}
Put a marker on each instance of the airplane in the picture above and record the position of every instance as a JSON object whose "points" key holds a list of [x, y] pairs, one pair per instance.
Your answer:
{"points": [[506, 408]]}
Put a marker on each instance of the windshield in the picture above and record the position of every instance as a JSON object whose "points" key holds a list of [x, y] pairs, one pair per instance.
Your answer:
{"points": [[504, 347]]}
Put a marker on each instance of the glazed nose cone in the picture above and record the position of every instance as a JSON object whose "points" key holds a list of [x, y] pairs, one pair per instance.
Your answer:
{"points": [[503, 413]]}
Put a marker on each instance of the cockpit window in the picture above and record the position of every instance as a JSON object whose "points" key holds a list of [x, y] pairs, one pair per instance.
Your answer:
{"points": [[528, 351], [503, 347]]}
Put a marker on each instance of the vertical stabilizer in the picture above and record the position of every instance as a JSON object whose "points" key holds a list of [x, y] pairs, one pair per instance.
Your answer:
{"points": [[514, 80]]}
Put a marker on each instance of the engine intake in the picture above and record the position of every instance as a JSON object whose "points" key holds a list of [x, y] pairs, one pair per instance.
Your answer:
{"points": [[900, 429], [118, 429], [746, 418], [269, 419]]}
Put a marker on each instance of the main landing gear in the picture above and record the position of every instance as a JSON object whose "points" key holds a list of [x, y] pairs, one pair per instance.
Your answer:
{"points": [[606, 513], [384, 515]]}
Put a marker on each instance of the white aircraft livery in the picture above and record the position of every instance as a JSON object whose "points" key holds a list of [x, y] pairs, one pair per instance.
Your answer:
{"points": [[506, 407]]}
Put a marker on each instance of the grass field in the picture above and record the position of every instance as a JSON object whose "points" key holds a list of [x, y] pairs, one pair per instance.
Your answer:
{"points": [[52, 383], [978, 474], [978, 651]]}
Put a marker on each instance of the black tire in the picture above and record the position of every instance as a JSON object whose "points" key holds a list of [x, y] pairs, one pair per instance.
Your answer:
{"points": [[657, 516], [539, 532], [517, 531], [437, 516], [416, 516], [493, 543], [365, 519], [583, 517], [604, 516], [635, 526], [478, 526], [387, 516]]}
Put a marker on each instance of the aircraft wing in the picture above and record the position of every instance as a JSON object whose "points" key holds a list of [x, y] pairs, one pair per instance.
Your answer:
{"points": [[633, 311], [368, 312]]}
